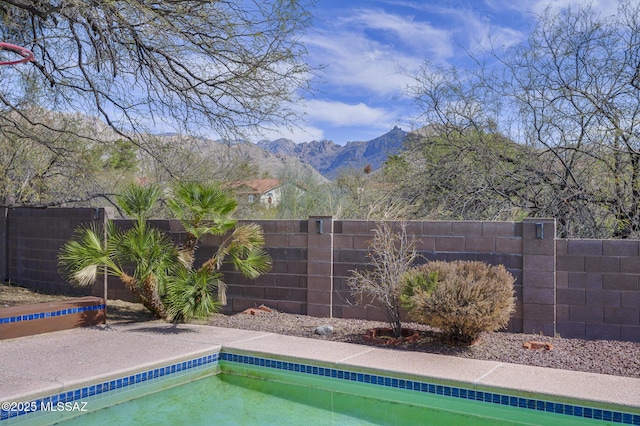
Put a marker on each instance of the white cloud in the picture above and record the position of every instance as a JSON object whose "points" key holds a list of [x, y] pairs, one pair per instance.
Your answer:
{"points": [[530, 11], [345, 121], [483, 34], [606, 7], [339, 114], [366, 51], [355, 63], [419, 37], [477, 24], [537, 7]]}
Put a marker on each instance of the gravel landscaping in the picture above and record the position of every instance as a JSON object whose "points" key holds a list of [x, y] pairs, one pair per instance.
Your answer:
{"points": [[601, 356]]}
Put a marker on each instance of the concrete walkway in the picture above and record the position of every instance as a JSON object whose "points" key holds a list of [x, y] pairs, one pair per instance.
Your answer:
{"points": [[49, 363]]}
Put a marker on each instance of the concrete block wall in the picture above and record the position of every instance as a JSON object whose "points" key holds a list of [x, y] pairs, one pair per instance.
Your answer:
{"points": [[285, 287], [313, 259], [491, 242], [320, 267], [577, 288], [32, 240], [598, 294], [350, 248], [539, 277], [4, 245]]}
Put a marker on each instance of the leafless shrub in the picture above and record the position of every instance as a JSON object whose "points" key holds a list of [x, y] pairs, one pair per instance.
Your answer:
{"points": [[391, 255]]}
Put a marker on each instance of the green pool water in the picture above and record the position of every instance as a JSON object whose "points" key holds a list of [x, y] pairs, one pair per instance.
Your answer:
{"points": [[249, 395]]}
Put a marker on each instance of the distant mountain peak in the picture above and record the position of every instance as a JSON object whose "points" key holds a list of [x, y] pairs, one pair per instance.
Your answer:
{"points": [[328, 158]]}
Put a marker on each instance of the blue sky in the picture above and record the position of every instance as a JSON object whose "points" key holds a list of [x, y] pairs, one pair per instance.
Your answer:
{"points": [[367, 46]]}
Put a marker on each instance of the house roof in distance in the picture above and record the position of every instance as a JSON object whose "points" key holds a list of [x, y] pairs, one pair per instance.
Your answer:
{"points": [[259, 186]]}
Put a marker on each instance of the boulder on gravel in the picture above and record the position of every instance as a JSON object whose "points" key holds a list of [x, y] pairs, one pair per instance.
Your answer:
{"points": [[324, 330]]}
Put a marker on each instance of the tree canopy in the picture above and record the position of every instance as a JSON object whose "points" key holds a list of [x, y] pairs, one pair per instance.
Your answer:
{"points": [[226, 65], [569, 97], [223, 68]]}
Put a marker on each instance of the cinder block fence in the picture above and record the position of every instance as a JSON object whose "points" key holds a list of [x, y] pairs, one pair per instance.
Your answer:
{"points": [[575, 288]]}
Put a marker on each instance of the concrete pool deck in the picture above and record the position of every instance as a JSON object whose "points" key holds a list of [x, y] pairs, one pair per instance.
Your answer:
{"points": [[44, 364]]}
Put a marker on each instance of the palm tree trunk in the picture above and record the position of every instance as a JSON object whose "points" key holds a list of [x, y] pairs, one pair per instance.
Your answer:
{"points": [[150, 289], [147, 293], [188, 250]]}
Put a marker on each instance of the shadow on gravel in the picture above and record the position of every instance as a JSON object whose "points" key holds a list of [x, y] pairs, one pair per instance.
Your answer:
{"points": [[429, 341]]}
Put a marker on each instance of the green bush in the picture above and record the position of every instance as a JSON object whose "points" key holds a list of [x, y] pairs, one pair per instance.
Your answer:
{"points": [[461, 298], [418, 279]]}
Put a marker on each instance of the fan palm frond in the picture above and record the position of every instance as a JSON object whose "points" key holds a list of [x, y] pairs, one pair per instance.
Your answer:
{"points": [[137, 201], [196, 202], [244, 248], [153, 267], [193, 294], [82, 257], [254, 264], [150, 250]]}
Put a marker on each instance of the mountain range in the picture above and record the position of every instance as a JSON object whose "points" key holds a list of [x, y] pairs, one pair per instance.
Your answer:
{"points": [[329, 158], [319, 161]]}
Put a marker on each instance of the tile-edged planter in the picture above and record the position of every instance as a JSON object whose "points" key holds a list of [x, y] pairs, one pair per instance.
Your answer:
{"points": [[25, 320]]}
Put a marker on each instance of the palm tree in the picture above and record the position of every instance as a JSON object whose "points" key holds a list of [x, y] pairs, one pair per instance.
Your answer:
{"points": [[161, 274], [207, 210], [202, 209]]}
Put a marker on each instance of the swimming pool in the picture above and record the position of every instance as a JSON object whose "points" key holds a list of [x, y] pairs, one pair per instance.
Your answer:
{"points": [[235, 388]]}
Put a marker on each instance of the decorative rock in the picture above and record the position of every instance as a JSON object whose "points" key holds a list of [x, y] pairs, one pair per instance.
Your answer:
{"points": [[265, 308], [538, 345], [256, 311], [324, 330], [384, 336]]}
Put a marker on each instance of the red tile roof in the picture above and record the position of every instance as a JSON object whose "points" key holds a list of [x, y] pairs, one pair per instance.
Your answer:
{"points": [[260, 186]]}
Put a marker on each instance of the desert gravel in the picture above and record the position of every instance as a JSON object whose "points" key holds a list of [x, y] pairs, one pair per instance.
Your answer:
{"points": [[599, 356]]}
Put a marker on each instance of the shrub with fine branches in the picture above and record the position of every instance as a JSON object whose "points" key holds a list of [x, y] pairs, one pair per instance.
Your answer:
{"points": [[463, 298]]}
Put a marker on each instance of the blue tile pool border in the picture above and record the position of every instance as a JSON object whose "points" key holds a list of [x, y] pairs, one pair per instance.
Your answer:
{"points": [[334, 373], [101, 388], [51, 314], [437, 389]]}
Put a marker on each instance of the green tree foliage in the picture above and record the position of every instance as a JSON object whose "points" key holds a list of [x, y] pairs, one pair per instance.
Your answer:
{"points": [[363, 195], [121, 155], [180, 158], [161, 274], [355, 193], [459, 175], [194, 67], [77, 166], [302, 195], [570, 98]]}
